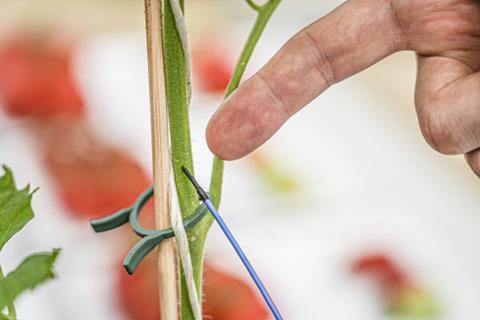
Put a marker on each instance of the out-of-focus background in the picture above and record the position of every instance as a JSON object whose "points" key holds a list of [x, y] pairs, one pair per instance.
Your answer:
{"points": [[346, 212]]}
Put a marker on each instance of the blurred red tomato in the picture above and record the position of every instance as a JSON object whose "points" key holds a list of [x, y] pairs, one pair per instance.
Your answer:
{"points": [[228, 297], [92, 178], [383, 269], [138, 293], [225, 296], [211, 67], [402, 296], [36, 78]]}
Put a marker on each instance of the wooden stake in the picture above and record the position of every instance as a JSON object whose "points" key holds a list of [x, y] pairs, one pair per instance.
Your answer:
{"points": [[161, 159]]}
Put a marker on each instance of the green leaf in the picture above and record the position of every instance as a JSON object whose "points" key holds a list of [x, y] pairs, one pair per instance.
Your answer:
{"points": [[33, 271], [7, 317], [15, 207], [12, 314]]}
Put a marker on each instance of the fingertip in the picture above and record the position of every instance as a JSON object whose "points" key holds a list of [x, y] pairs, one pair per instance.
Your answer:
{"points": [[248, 118], [212, 143]]}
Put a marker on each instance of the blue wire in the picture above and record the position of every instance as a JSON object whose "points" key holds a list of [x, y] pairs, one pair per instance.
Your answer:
{"points": [[244, 259]]}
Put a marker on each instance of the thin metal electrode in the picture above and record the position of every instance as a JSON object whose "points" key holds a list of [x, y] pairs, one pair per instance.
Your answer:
{"points": [[208, 203]]}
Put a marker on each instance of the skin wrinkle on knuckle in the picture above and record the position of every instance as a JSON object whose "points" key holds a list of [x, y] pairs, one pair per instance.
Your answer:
{"points": [[277, 100], [454, 18], [401, 39], [322, 63], [441, 131]]}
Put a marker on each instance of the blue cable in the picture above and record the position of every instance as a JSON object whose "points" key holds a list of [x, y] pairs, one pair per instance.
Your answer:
{"points": [[244, 259], [206, 199]]}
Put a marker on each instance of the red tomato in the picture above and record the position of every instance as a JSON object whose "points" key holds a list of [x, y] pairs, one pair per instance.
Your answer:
{"points": [[93, 179], [382, 268], [402, 296], [138, 294], [225, 296], [229, 298], [36, 78], [212, 68]]}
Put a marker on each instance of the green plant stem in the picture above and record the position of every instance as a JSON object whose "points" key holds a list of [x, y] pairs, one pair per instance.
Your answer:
{"points": [[264, 13], [176, 88], [12, 313], [199, 233], [177, 100], [253, 5]]}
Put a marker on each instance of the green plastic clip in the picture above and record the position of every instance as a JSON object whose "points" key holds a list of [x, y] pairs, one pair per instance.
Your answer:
{"points": [[150, 238]]}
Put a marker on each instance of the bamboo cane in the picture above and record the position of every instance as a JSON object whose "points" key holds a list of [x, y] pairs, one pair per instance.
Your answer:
{"points": [[168, 288]]}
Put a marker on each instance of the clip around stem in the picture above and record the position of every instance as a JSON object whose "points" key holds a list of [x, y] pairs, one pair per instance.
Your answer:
{"points": [[150, 238]]}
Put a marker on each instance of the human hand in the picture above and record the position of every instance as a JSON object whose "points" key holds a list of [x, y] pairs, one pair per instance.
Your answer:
{"points": [[445, 34]]}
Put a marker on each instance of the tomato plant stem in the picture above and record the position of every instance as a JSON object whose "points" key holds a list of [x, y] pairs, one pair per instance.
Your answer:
{"points": [[265, 11], [177, 92]]}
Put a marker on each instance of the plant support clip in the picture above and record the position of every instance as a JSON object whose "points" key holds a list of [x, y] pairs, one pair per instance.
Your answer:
{"points": [[150, 238]]}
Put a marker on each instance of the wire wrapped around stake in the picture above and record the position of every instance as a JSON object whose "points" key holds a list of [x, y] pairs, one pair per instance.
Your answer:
{"points": [[150, 238]]}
